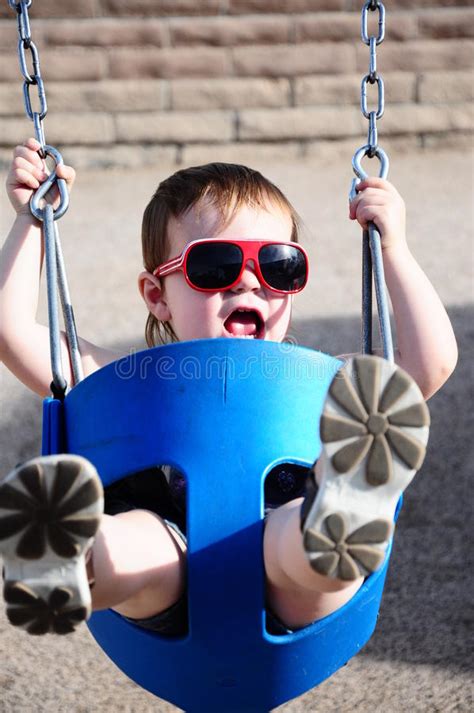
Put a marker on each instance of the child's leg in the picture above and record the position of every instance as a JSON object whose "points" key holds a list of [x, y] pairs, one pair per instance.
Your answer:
{"points": [[295, 592], [137, 564], [374, 430], [50, 512]]}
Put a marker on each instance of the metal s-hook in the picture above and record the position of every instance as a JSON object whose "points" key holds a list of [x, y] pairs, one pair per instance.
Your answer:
{"points": [[45, 187], [364, 151]]}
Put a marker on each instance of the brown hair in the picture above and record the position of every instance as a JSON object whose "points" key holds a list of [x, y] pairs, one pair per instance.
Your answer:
{"points": [[227, 187]]}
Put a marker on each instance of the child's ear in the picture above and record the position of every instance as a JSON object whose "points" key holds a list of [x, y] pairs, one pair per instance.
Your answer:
{"points": [[153, 295]]}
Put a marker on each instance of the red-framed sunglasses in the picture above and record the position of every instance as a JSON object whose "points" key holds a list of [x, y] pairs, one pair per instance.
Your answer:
{"points": [[214, 264]]}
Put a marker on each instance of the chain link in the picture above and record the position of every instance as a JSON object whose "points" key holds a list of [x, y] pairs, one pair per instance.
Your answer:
{"points": [[24, 27], [372, 7], [31, 77]]}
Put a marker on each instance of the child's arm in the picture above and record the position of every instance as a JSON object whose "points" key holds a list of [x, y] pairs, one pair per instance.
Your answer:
{"points": [[426, 345], [24, 344]]}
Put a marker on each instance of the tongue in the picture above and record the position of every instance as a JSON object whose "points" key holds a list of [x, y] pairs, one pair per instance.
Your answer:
{"points": [[242, 323]]}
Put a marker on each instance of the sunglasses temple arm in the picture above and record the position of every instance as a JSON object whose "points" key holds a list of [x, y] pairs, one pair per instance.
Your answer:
{"points": [[169, 266]]}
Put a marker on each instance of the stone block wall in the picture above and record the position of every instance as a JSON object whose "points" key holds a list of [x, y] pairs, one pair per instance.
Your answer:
{"points": [[184, 81]]}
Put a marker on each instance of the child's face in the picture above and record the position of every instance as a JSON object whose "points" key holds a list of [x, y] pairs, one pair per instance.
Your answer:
{"points": [[201, 315]]}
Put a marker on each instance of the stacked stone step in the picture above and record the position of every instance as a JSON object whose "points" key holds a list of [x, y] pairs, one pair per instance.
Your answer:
{"points": [[133, 82]]}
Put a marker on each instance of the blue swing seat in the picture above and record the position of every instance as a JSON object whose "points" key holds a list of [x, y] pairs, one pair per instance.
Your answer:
{"points": [[224, 412]]}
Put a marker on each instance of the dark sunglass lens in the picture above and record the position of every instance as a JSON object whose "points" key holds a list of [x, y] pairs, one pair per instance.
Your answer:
{"points": [[213, 265], [283, 267]]}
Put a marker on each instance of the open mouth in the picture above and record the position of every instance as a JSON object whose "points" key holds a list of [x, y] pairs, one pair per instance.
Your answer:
{"points": [[245, 324]]}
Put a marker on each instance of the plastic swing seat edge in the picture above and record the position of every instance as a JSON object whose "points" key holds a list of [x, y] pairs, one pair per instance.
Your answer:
{"points": [[52, 441]]}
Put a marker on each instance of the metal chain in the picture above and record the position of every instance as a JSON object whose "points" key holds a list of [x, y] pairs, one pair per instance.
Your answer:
{"points": [[372, 263], [371, 148], [55, 268], [31, 78], [372, 77]]}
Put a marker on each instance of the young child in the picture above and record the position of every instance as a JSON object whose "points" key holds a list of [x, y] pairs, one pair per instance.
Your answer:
{"points": [[324, 531]]}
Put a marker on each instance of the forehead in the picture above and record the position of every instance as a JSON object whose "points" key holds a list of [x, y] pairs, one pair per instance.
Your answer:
{"points": [[204, 220]]}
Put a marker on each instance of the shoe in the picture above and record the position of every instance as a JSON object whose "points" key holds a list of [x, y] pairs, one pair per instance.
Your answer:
{"points": [[374, 431], [50, 510]]}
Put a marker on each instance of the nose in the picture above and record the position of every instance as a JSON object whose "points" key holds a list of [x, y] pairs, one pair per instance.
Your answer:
{"points": [[248, 280]]}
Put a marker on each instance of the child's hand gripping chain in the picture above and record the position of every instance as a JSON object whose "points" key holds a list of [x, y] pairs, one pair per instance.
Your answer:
{"points": [[379, 202], [27, 173]]}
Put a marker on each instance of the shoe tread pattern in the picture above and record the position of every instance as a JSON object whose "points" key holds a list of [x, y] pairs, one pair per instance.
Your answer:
{"points": [[39, 616], [372, 418], [39, 517], [50, 509]]}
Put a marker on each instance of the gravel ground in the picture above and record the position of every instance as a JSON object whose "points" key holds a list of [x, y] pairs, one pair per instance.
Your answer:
{"points": [[419, 657]]}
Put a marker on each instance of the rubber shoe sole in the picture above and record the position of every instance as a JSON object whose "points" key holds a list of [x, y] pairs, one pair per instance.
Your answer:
{"points": [[374, 431], [50, 511]]}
